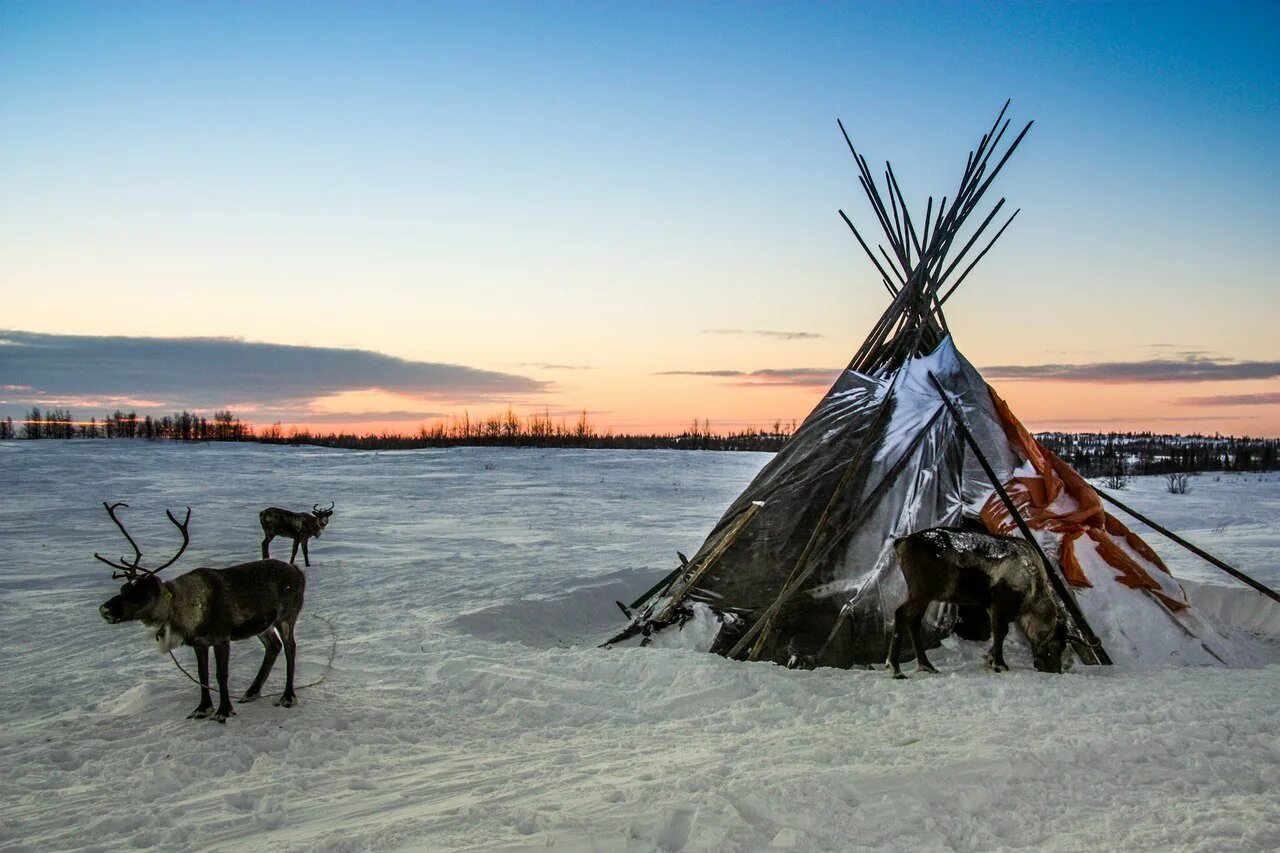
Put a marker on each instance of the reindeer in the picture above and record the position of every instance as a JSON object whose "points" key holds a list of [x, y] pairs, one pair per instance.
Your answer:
{"points": [[209, 608], [1002, 574], [298, 526]]}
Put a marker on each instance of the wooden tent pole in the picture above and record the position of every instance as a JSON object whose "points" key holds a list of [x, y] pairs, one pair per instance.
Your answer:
{"points": [[901, 280], [1235, 573], [670, 579], [729, 537], [666, 581], [981, 255], [867, 248], [1059, 586], [942, 276]]}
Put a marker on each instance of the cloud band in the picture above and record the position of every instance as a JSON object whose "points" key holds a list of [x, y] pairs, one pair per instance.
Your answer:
{"points": [[205, 373]]}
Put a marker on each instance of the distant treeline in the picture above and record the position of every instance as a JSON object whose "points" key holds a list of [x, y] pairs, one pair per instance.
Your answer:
{"points": [[1096, 454], [1092, 454], [538, 430], [506, 429], [182, 426]]}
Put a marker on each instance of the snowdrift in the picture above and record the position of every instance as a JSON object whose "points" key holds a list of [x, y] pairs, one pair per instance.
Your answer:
{"points": [[469, 709]]}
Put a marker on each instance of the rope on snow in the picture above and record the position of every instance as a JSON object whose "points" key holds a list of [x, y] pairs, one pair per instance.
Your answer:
{"points": [[328, 666]]}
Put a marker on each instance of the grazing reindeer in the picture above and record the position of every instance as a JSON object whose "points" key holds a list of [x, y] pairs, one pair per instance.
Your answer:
{"points": [[999, 573], [212, 607], [298, 526]]}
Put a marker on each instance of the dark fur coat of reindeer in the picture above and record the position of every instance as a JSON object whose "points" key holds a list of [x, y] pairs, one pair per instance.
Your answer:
{"points": [[298, 526], [209, 608], [1001, 574]]}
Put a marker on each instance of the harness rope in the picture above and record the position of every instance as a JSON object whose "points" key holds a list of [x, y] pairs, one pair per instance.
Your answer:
{"points": [[328, 666]]}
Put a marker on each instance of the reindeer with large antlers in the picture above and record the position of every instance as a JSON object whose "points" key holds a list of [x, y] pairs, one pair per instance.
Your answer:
{"points": [[208, 608], [297, 526]]}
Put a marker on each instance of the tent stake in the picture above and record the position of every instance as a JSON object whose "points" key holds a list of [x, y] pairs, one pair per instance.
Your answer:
{"points": [[1235, 573], [1059, 586]]}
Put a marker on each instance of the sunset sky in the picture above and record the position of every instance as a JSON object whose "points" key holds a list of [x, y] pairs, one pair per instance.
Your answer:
{"points": [[370, 215]]}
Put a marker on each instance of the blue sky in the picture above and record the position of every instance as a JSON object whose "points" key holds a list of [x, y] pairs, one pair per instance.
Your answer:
{"points": [[513, 186]]}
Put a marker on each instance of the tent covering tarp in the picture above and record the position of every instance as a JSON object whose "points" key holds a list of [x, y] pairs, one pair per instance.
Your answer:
{"points": [[878, 458], [895, 456]]}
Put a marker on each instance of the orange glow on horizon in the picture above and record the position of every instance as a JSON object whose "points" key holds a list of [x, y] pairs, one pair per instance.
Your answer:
{"points": [[644, 407]]}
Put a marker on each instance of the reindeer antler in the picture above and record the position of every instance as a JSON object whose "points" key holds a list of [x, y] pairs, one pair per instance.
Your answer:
{"points": [[127, 569], [134, 571], [186, 540], [316, 507]]}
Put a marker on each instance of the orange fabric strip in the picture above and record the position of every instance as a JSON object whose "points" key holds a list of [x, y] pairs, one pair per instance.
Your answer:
{"points": [[1034, 498]]}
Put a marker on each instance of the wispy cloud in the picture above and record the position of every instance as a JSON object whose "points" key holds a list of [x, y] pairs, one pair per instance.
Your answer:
{"points": [[719, 373], [542, 365], [1086, 423], [413, 418], [1267, 398], [805, 377], [1188, 367], [767, 333], [205, 373]]}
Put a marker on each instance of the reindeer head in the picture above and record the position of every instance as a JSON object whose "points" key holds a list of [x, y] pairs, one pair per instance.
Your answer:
{"points": [[321, 516], [142, 591], [1052, 654]]}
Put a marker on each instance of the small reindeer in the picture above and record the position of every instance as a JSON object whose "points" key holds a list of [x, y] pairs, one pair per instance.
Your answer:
{"points": [[209, 608], [297, 526], [1002, 574]]}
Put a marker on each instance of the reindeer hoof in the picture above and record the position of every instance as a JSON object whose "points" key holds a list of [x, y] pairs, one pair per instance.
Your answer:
{"points": [[286, 701], [927, 668], [897, 674], [249, 697], [200, 713], [222, 713]]}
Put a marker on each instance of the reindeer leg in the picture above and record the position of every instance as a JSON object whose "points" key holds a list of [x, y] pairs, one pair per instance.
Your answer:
{"points": [[289, 699], [222, 657], [266, 546], [899, 625], [273, 646], [293, 557], [306, 558], [205, 708], [915, 621], [999, 630]]}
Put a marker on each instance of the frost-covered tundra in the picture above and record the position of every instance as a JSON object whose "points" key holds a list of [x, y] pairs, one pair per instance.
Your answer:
{"points": [[1001, 574], [209, 608], [297, 526]]}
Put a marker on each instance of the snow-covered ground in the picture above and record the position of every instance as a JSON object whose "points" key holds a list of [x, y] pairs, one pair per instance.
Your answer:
{"points": [[468, 708]]}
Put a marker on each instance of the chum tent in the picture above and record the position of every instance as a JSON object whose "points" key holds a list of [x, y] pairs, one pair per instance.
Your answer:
{"points": [[800, 569]]}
